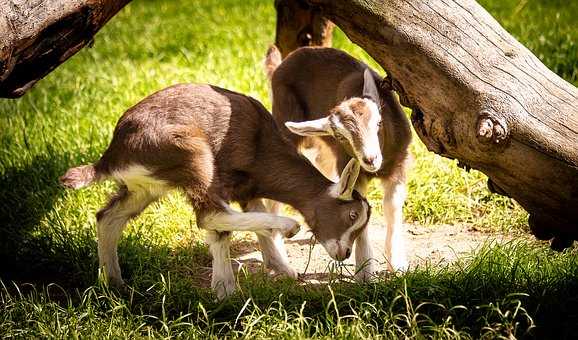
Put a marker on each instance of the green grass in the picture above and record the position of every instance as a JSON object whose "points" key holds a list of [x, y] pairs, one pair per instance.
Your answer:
{"points": [[515, 289], [47, 234]]}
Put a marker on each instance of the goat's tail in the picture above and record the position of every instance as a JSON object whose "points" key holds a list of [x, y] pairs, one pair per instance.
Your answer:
{"points": [[80, 177], [272, 61]]}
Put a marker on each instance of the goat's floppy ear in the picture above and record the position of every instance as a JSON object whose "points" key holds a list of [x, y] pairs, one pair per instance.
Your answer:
{"points": [[347, 180], [370, 87], [317, 127]]}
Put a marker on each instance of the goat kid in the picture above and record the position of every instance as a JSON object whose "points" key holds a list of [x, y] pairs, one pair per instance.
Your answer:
{"points": [[217, 146], [325, 100]]}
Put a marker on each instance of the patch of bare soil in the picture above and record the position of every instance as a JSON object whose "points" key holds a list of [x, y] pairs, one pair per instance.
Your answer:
{"points": [[441, 244]]}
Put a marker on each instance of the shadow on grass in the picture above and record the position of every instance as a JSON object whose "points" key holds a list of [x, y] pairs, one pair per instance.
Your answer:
{"points": [[27, 194], [39, 246]]}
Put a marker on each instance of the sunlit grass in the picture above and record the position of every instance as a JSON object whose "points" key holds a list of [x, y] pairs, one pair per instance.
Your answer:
{"points": [[47, 234]]}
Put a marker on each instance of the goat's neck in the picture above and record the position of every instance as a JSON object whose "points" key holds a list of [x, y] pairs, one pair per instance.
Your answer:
{"points": [[285, 176], [396, 126]]}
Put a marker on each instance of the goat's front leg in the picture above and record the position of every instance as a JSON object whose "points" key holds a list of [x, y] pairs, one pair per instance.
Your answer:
{"points": [[257, 222], [394, 194], [366, 266], [273, 245], [222, 223]]}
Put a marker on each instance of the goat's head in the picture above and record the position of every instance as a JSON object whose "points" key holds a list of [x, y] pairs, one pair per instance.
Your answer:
{"points": [[340, 215], [355, 123]]}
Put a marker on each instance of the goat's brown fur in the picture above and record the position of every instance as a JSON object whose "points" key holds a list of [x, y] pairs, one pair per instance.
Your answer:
{"points": [[315, 82], [216, 146]]}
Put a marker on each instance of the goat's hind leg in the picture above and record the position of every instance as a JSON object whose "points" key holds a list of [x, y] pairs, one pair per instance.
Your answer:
{"points": [[111, 221], [272, 244], [223, 279]]}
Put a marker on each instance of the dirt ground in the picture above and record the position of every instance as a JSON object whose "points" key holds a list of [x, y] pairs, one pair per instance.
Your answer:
{"points": [[439, 244]]}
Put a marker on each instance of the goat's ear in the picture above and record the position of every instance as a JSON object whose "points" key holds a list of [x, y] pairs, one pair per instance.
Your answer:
{"points": [[370, 87], [347, 180], [317, 127]]}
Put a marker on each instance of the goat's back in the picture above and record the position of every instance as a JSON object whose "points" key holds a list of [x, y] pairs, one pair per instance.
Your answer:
{"points": [[182, 121], [321, 77]]}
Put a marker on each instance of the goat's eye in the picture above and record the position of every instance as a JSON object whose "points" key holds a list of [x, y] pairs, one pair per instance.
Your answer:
{"points": [[353, 215]]}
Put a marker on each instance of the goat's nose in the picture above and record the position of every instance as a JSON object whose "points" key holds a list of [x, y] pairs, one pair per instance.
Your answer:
{"points": [[369, 159], [343, 253]]}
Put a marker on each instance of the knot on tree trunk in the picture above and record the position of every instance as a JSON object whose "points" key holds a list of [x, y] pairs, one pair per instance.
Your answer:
{"points": [[492, 129]]}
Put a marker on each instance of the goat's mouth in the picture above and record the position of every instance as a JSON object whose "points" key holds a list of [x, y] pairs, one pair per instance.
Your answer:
{"points": [[337, 250], [370, 164]]}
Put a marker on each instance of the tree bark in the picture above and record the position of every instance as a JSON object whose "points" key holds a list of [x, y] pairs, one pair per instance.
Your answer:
{"points": [[38, 35], [479, 96], [299, 24]]}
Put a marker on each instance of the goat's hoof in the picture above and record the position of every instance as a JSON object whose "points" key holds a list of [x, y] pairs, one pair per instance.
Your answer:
{"points": [[224, 289], [292, 230], [400, 265], [366, 274], [290, 272]]}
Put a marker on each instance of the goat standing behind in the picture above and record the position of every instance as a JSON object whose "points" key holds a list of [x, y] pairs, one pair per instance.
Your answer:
{"points": [[324, 99]]}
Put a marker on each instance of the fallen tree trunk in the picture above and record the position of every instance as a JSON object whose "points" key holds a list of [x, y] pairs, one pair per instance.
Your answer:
{"points": [[299, 24], [38, 35], [479, 96]]}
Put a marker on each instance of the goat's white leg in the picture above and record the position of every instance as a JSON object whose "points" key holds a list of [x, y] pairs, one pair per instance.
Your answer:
{"points": [[223, 279], [394, 194], [273, 245], [275, 254], [111, 221], [366, 266], [257, 222], [223, 222]]}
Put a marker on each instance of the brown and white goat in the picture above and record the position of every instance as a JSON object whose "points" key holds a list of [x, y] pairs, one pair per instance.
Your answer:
{"points": [[217, 146], [323, 97]]}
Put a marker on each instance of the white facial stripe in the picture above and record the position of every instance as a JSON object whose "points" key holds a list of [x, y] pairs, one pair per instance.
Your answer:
{"points": [[371, 147], [361, 221], [332, 246], [370, 144]]}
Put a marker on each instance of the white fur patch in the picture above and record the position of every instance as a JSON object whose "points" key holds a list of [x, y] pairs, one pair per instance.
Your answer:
{"points": [[371, 147], [137, 177], [248, 221], [395, 247], [223, 278], [370, 144]]}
